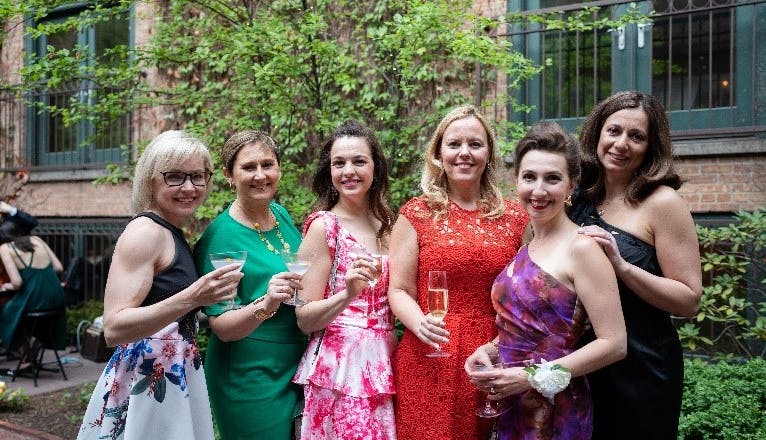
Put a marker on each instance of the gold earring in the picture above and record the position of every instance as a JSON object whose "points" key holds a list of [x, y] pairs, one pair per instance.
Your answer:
{"points": [[568, 200], [233, 187]]}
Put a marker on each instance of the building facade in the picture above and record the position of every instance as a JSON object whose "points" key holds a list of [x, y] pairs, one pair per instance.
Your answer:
{"points": [[702, 58]]}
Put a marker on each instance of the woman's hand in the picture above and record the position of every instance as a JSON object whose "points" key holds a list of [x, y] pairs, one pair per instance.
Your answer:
{"points": [[432, 331], [282, 286], [479, 357], [358, 276], [608, 243], [500, 383]]}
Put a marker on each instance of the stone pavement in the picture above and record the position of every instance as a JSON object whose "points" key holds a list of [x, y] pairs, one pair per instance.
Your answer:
{"points": [[78, 371]]}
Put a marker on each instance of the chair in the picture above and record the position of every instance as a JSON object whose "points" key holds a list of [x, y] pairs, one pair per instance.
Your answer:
{"points": [[39, 333]]}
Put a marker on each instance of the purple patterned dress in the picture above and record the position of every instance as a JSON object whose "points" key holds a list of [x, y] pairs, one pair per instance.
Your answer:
{"points": [[540, 318]]}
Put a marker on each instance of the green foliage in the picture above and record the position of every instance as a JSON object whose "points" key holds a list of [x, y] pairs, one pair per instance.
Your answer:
{"points": [[723, 401], [86, 311], [16, 400], [734, 304], [296, 69]]}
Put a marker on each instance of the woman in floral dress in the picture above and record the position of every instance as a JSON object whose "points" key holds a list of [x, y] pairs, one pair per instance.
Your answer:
{"points": [[543, 298], [153, 386], [346, 369], [460, 225]]}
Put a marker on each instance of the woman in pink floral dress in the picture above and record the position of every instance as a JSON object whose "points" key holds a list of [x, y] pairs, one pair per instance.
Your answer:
{"points": [[346, 370]]}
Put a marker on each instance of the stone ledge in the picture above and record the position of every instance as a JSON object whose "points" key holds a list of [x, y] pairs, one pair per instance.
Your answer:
{"points": [[11, 431]]}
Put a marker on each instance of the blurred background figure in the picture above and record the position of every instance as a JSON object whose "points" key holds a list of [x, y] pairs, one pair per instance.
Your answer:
{"points": [[32, 269]]}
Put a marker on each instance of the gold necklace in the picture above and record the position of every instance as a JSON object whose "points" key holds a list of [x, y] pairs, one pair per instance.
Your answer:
{"points": [[269, 246]]}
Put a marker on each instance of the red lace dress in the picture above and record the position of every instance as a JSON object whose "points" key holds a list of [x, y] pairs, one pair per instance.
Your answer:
{"points": [[434, 398]]}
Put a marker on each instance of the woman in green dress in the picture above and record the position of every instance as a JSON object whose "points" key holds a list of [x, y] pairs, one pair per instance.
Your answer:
{"points": [[256, 343], [33, 270]]}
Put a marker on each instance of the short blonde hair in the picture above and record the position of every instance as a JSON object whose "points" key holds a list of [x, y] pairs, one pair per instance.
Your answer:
{"points": [[165, 151], [434, 182]]}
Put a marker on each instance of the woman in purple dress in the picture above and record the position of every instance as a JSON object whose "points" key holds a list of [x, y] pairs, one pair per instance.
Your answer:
{"points": [[543, 299]]}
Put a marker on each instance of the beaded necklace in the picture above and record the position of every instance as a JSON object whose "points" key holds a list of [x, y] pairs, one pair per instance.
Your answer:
{"points": [[269, 246]]}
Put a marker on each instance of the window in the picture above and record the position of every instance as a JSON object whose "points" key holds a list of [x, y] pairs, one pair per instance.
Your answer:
{"points": [[698, 57], [90, 141]]}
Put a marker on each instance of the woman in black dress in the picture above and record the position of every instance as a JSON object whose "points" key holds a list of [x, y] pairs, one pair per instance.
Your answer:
{"points": [[629, 204]]}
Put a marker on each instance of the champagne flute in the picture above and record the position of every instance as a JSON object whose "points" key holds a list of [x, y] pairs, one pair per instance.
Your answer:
{"points": [[295, 264], [438, 301], [221, 259], [490, 409]]}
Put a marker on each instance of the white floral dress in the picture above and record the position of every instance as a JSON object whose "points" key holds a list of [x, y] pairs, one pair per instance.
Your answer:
{"points": [[347, 377]]}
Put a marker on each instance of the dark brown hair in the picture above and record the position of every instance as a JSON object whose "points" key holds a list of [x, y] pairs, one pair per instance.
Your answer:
{"points": [[378, 194], [549, 136], [656, 169]]}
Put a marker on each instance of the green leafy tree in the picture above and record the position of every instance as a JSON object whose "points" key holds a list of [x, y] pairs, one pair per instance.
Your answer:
{"points": [[294, 68], [733, 305]]}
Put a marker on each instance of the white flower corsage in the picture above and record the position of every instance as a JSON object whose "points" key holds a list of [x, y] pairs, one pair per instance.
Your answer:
{"points": [[548, 378]]}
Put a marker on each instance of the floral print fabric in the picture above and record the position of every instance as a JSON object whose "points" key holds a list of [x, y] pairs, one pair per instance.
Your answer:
{"points": [[148, 383], [351, 367], [540, 318]]}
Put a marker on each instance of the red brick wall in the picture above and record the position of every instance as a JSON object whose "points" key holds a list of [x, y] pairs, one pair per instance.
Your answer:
{"points": [[724, 184], [75, 199]]}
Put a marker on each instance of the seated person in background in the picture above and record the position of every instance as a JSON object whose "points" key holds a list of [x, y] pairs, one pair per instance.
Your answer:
{"points": [[15, 222], [32, 269]]}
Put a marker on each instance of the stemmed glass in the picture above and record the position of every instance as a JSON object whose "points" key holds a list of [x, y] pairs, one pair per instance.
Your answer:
{"points": [[489, 410], [360, 252], [221, 259], [438, 300], [296, 264]]}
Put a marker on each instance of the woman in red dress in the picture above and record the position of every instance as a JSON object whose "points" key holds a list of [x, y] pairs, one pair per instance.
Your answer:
{"points": [[461, 225]]}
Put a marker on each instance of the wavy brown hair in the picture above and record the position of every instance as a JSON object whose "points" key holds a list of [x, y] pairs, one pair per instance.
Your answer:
{"points": [[657, 167], [378, 193]]}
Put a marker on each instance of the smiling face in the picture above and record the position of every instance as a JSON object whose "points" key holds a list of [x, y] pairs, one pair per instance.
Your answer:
{"points": [[464, 152], [255, 174], [543, 184], [177, 203], [351, 167], [623, 141]]}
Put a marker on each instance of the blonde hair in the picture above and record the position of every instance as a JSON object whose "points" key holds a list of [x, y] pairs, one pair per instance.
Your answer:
{"points": [[434, 183], [165, 151]]}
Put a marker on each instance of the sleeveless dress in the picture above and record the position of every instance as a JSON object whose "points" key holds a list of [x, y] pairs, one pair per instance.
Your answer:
{"points": [[435, 400], [155, 387], [540, 318], [638, 397], [250, 380], [348, 378], [40, 291]]}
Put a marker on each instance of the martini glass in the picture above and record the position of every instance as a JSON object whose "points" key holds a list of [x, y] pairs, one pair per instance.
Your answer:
{"points": [[221, 259], [295, 264]]}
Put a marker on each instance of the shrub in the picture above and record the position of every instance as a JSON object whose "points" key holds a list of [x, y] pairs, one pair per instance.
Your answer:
{"points": [[734, 304], [723, 401], [15, 400]]}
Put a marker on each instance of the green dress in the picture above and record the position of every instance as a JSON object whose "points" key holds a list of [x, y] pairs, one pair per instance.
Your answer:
{"points": [[40, 290], [250, 380]]}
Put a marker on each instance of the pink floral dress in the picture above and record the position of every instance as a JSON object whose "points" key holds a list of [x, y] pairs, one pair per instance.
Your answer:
{"points": [[347, 377]]}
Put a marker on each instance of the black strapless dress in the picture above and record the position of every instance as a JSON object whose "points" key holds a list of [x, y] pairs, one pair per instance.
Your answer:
{"points": [[638, 397]]}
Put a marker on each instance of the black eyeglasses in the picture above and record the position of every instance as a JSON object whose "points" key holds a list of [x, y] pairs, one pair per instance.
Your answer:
{"points": [[177, 178]]}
